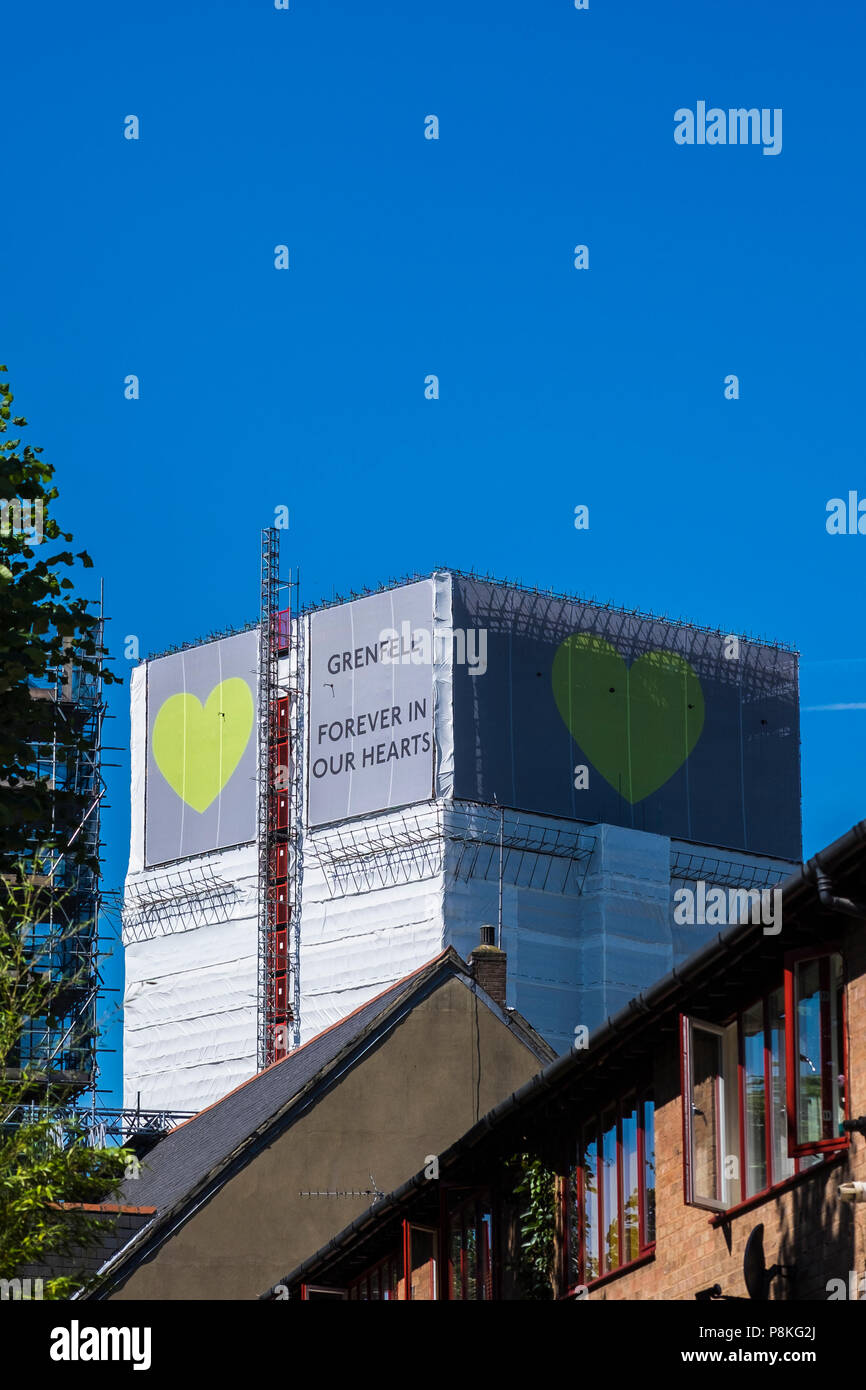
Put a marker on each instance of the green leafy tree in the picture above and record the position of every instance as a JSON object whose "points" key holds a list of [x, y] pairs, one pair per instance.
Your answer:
{"points": [[47, 1171], [45, 1164], [43, 629]]}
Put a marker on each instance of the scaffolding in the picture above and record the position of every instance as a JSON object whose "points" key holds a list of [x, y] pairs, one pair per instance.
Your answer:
{"points": [[689, 868], [529, 594], [178, 900], [99, 1126], [475, 840], [280, 789], [64, 942]]}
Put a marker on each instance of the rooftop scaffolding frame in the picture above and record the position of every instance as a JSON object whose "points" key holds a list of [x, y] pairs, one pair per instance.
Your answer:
{"points": [[179, 900], [416, 843]]}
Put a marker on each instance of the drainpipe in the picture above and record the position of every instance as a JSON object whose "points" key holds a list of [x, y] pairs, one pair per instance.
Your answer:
{"points": [[826, 898]]}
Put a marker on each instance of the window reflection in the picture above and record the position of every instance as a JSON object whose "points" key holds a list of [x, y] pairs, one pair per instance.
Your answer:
{"points": [[755, 1100], [615, 1182], [783, 1166], [470, 1248], [819, 1050], [649, 1168], [610, 1197], [630, 1184], [590, 1209]]}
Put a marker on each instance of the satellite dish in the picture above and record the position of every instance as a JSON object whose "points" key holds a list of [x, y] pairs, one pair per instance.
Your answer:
{"points": [[754, 1265], [758, 1278]]}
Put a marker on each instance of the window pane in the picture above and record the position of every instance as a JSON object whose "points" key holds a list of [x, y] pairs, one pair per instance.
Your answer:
{"points": [[837, 1057], [630, 1192], [573, 1219], [755, 1100], [455, 1258], [590, 1208], [820, 1083], [375, 1291], [783, 1166], [729, 1087], [423, 1260], [467, 1270], [610, 1196], [649, 1169], [470, 1251], [706, 1069], [808, 998], [486, 1255]]}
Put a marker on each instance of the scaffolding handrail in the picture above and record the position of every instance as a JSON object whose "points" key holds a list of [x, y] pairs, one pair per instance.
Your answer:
{"points": [[413, 843]]}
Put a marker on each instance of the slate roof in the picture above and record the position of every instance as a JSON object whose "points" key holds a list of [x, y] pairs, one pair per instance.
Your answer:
{"points": [[191, 1156]]}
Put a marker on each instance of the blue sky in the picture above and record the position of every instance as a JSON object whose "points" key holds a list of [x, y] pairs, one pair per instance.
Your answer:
{"points": [[410, 256]]}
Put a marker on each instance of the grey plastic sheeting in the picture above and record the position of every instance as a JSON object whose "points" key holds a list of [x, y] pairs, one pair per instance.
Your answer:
{"points": [[604, 716], [202, 712]]}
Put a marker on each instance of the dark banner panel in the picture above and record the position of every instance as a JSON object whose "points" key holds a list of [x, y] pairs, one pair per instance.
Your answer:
{"points": [[601, 715]]}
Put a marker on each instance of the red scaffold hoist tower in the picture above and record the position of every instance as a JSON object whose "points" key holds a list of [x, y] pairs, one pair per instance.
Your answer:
{"points": [[280, 772]]}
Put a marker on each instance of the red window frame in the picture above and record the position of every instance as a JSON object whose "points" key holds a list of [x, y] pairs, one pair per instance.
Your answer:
{"points": [[826, 1147], [467, 1213], [764, 1001], [385, 1274], [705, 1203], [639, 1096], [833, 1143], [436, 1290]]}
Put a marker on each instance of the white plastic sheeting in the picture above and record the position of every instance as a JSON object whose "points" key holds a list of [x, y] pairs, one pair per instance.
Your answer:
{"points": [[190, 998], [356, 944], [424, 878]]}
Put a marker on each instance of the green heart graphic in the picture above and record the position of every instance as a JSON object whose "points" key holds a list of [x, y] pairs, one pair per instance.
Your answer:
{"points": [[197, 747], [636, 724]]}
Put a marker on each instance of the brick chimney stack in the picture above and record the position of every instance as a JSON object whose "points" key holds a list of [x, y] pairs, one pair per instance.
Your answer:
{"points": [[489, 966]]}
